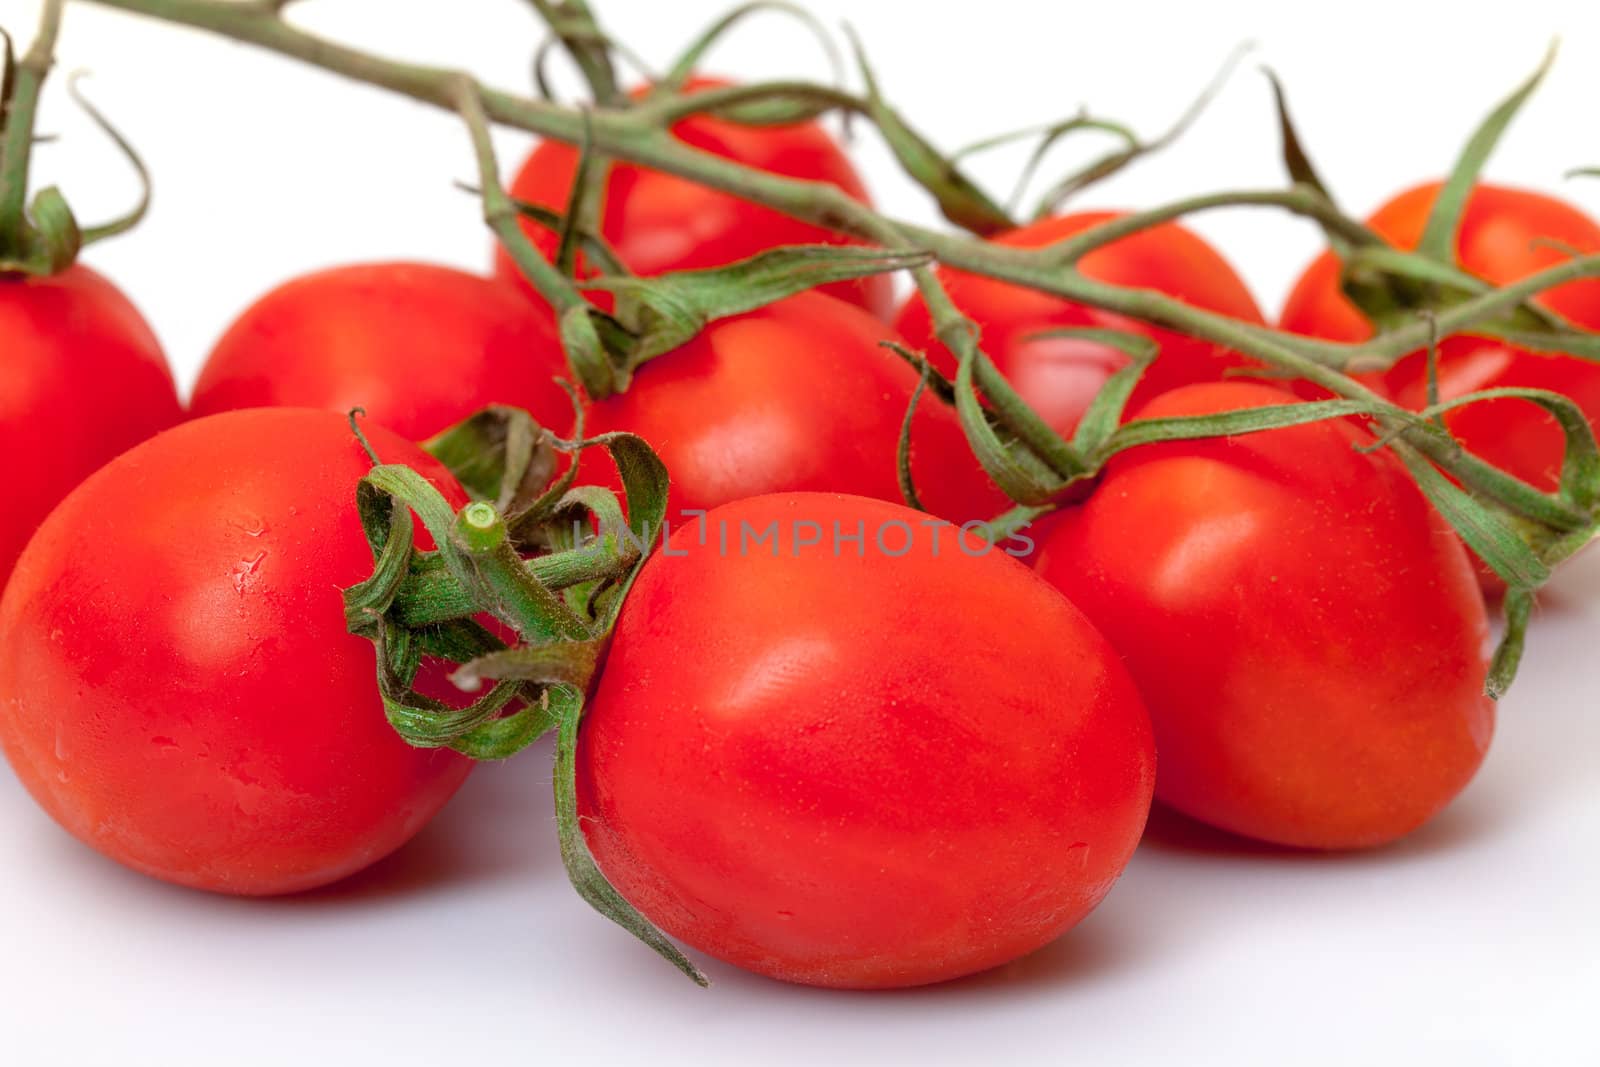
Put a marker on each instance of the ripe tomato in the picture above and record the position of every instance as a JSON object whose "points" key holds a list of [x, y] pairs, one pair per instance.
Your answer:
{"points": [[1303, 626], [83, 380], [788, 768], [1506, 234], [177, 688], [798, 395], [420, 347], [658, 222], [1059, 376]]}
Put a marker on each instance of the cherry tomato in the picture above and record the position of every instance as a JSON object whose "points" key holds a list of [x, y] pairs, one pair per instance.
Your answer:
{"points": [[83, 380], [1059, 376], [797, 395], [789, 765], [658, 222], [177, 687], [1303, 626], [1506, 234], [419, 347]]}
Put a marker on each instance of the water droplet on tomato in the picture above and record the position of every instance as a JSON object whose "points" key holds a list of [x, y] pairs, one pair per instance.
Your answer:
{"points": [[246, 569]]}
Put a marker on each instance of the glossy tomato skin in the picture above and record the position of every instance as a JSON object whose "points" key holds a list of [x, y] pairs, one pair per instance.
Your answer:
{"points": [[1060, 376], [799, 395], [1304, 628], [1506, 234], [419, 347], [658, 222], [82, 379], [858, 770], [177, 688]]}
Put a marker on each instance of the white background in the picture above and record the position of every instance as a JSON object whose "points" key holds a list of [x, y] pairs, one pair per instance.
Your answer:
{"points": [[1475, 942]]}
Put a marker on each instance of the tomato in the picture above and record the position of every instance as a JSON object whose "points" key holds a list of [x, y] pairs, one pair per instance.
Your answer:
{"points": [[798, 395], [83, 380], [1059, 376], [1505, 235], [177, 687], [419, 347], [658, 222], [1303, 626], [789, 766]]}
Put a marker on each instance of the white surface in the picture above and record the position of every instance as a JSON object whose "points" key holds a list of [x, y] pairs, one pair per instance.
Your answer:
{"points": [[1476, 942]]}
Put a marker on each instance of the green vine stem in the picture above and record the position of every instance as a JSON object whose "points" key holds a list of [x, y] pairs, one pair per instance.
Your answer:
{"points": [[1028, 459], [51, 227], [637, 135], [43, 237]]}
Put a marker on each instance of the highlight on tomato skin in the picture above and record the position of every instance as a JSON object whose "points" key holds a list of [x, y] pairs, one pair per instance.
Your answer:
{"points": [[418, 347], [1059, 376], [1305, 629], [658, 222], [857, 770], [800, 395], [84, 379], [177, 686]]}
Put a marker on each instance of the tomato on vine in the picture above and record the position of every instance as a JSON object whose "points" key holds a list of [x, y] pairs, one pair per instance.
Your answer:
{"points": [[1057, 375], [418, 347], [1304, 627], [84, 380], [789, 765], [1505, 235], [798, 395], [658, 222], [177, 686]]}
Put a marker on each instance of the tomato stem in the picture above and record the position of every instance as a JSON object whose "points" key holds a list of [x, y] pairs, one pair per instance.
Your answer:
{"points": [[17, 114]]}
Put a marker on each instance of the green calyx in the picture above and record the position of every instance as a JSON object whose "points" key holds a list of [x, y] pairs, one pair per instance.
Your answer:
{"points": [[547, 562]]}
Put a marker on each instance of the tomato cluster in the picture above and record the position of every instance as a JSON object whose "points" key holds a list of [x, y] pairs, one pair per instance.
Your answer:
{"points": [[834, 739]]}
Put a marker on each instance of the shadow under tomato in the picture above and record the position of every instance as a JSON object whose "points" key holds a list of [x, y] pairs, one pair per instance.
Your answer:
{"points": [[1171, 832], [488, 832]]}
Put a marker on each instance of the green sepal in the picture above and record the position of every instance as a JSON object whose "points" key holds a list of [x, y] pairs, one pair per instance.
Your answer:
{"points": [[1114, 162], [672, 308], [902, 457], [1016, 468], [1516, 609], [767, 104], [684, 66], [1232, 424], [1438, 241], [596, 249], [1105, 411], [1487, 530], [585, 875], [499, 454], [960, 199]]}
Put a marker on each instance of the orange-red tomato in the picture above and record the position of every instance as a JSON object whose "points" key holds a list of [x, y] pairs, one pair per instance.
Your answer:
{"points": [[82, 378], [658, 222], [1059, 376], [798, 395], [1505, 235], [177, 687], [419, 347], [858, 764], [1304, 627]]}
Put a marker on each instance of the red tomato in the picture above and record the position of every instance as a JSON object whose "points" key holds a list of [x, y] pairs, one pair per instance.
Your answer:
{"points": [[798, 395], [420, 347], [83, 380], [789, 767], [1303, 626], [177, 688], [658, 222], [1506, 234], [1059, 376]]}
